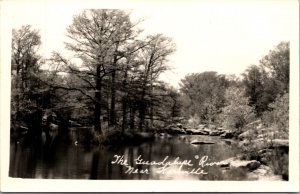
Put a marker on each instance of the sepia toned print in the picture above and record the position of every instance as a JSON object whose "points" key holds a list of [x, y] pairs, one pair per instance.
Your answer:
{"points": [[114, 104]]}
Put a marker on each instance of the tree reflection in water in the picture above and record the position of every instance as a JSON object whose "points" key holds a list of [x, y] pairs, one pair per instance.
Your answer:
{"points": [[68, 161]]}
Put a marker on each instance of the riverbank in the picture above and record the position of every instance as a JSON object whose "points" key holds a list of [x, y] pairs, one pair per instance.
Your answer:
{"points": [[261, 153]]}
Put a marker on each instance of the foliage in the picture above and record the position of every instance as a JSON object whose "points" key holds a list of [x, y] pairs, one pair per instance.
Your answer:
{"points": [[265, 82], [203, 95], [237, 113], [118, 73], [253, 81], [277, 65], [26, 91], [193, 121], [278, 117]]}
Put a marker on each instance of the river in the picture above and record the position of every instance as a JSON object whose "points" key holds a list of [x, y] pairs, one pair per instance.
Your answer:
{"points": [[68, 160]]}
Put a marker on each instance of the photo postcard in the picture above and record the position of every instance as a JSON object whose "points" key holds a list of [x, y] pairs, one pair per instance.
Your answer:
{"points": [[149, 96]]}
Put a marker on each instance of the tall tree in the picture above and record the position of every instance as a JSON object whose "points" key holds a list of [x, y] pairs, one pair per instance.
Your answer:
{"points": [[25, 63], [277, 65], [153, 57], [97, 39], [253, 80], [265, 82]]}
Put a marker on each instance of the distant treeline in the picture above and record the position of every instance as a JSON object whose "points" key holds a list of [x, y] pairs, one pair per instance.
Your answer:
{"points": [[228, 101]]}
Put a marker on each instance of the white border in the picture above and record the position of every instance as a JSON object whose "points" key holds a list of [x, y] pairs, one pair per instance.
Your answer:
{"points": [[21, 185]]}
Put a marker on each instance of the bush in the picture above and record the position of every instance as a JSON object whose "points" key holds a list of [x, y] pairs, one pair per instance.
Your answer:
{"points": [[193, 121], [278, 117], [237, 114]]}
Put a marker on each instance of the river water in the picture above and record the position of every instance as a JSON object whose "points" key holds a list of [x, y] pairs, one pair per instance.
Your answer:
{"points": [[68, 160]]}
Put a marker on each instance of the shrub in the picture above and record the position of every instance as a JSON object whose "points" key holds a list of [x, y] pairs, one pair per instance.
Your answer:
{"points": [[193, 121], [278, 117], [237, 114]]}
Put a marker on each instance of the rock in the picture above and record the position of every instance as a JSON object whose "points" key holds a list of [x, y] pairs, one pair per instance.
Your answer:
{"points": [[202, 132], [249, 164], [192, 131], [179, 125], [279, 142], [216, 133], [174, 130], [206, 129], [226, 135], [201, 126], [245, 135], [263, 151], [236, 162], [201, 142], [196, 132], [226, 163], [264, 173]]}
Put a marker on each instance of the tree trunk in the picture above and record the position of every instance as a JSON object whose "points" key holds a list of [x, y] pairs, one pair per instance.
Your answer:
{"points": [[142, 110], [17, 86], [97, 112], [113, 100], [132, 115], [151, 103], [124, 103], [124, 116], [113, 89], [142, 104]]}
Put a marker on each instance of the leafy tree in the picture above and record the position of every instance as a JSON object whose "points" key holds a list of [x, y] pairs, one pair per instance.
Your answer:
{"points": [[253, 81], [277, 65], [237, 113], [204, 95], [25, 63], [278, 117], [265, 82]]}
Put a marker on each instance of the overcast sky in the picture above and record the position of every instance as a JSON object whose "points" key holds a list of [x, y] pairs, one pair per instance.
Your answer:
{"points": [[222, 36]]}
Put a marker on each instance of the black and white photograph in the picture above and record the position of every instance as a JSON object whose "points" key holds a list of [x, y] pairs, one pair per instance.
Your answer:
{"points": [[196, 92]]}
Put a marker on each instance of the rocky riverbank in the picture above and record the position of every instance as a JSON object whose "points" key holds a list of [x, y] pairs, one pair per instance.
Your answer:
{"points": [[264, 156], [255, 169]]}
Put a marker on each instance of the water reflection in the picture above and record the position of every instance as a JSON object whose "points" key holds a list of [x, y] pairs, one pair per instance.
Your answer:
{"points": [[66, 160]]}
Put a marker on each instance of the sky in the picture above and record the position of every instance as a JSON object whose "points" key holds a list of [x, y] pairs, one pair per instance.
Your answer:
{"points": [[221, 36]]}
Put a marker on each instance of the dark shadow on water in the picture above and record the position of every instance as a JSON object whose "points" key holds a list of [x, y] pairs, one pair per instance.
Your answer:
{"points": [[65, 160]]}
